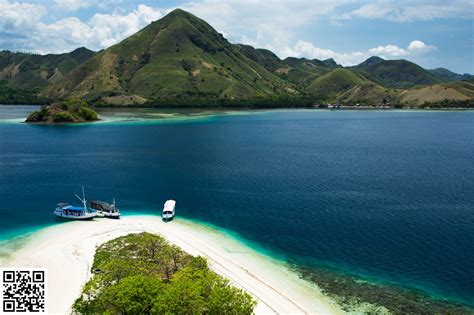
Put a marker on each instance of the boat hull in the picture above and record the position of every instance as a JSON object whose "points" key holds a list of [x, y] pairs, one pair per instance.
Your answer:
{"points": [[111, 215], [167, 218], [89, 216], [98, 207]]}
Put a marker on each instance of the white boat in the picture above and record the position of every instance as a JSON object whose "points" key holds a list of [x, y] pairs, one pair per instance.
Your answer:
{"points": [[105, 209], [168, 210], [66, 211]]}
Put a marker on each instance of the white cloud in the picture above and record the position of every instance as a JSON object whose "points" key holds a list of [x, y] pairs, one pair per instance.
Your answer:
{"points": [[109, 29], [101, 31], [418, 45], [408, 11], [308, 50], [16, 16], [388, 51], [266, 24]]}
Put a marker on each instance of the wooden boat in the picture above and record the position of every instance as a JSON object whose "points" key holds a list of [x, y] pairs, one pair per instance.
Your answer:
{"points": [[66, 211], [105, 209]]}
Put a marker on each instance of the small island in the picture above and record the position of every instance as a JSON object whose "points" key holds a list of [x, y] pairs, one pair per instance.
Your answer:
{"points": [[70, 111], [144, 274]]}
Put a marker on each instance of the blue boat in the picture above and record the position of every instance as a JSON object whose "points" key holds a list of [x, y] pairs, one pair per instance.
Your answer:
{"points": [[66, 211]]}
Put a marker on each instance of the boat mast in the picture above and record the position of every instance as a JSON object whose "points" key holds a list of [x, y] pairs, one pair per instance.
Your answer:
{"points": [[83, 199]]}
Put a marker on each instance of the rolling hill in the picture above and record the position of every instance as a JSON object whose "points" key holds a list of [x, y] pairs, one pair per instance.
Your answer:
{"points": [[449, 76], [334, 83], [455, 91], [263, 57], [31, 72], [399, 74], [181, 58], [178, 56], [369, 93]]}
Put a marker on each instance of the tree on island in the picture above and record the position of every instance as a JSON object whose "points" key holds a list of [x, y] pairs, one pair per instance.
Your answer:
{"points": [[144, 274], [73, 110]]}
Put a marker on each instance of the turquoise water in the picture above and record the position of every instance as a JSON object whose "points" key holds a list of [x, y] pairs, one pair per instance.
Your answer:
{"points": [[385, 195]]}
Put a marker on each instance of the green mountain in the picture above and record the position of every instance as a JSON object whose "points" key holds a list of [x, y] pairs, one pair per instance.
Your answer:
{"points": [[297, 62], [178, 56], [302, 71], [263, 57], [453, 92], [372, 61], [334, 83], [400, 74], [449, 76], [369, 93], [180, 60], [31, 72]]}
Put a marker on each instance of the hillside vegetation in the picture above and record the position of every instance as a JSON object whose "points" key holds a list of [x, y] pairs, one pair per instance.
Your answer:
{"points": [[180, 60], [369, 93], [143, 274], [449, 76], [26, 74], [396, 73], [179, 56], [333, 83], [420, 95]]}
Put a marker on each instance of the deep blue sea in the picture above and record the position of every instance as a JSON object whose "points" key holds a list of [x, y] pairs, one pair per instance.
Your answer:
{"points": [[388, 195]]}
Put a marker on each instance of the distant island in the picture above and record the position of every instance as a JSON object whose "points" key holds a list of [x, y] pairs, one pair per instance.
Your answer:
{"points": [[181, 61], [71, 111]]}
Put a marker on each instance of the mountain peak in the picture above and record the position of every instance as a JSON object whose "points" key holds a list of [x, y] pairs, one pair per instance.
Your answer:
{"points": [[371, 61], [330, 63], [177, 56], [179, 13], [81, 50]]}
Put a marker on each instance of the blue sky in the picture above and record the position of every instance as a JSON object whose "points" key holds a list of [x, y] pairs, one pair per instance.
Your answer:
{"points": [[430, 33]]}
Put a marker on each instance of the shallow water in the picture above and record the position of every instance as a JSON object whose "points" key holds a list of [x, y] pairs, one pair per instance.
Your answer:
{"points": [[386, 195]]}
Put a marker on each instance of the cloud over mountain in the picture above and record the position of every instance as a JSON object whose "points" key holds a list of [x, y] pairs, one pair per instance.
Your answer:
{"points": [[308, 50], [28, 32], [287, 27]]}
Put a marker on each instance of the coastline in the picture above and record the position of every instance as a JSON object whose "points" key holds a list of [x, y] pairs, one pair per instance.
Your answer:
{"points": [[156, 115], [67, 251]]}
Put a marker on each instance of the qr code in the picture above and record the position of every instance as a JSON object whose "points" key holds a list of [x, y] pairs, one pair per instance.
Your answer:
{"points": [[23, 290]]}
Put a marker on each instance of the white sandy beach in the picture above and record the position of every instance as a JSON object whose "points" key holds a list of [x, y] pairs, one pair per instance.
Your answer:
{"points": [[67, 251]]}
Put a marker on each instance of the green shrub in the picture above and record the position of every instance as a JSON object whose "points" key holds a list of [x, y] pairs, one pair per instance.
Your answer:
{"points": [[63, 117], [87, 113]]}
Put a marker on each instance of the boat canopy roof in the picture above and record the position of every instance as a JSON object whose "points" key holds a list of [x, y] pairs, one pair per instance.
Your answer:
{"points": [[101, 203], [169, 205]]}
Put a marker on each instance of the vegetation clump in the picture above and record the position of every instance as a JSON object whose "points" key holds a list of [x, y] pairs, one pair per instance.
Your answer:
{"points": [[70, 111], [13, 96], [143, 274]]}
